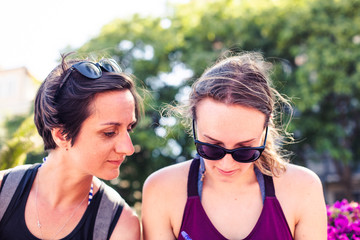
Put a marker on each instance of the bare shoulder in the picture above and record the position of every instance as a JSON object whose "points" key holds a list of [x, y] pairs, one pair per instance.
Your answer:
{"points": [[128, 226], [163, 202], [293, 170], [298, 185], [165, 178], [167, 185], [300, 193], [299, 178]]}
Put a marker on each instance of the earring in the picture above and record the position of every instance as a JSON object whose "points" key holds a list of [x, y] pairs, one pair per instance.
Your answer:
{"points": [[203, 175]]}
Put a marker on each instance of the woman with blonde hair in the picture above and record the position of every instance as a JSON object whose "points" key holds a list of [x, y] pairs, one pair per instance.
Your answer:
{"points": [[239, 185]]}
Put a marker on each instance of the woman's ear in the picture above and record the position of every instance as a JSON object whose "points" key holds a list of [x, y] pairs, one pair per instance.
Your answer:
{"points": [[60, 138]]}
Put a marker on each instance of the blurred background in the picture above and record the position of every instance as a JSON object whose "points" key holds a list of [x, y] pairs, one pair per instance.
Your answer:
{"points": [[313, 44]]}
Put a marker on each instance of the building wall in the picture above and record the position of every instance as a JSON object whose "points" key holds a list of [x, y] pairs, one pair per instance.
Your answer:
{"points": [[17, 91]]}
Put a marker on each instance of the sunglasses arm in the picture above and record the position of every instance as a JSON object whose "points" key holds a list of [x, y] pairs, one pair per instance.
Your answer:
{"points": [[66, 77], [266, 133], [193, 129]]}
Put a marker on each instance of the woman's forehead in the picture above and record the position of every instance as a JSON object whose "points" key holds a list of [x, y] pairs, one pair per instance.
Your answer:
{"points": [[216, 115]]}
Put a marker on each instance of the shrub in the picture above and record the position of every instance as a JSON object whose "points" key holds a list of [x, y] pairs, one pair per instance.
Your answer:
{"points": [[344, 220]]}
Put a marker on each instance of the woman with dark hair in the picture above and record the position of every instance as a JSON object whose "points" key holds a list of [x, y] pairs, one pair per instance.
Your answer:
{"points": [[84, 111], [240, 185]]}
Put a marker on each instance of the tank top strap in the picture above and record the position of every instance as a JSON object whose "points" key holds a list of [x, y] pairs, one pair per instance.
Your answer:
{"points": [[193, 177], [269, 186], [261, 181]]}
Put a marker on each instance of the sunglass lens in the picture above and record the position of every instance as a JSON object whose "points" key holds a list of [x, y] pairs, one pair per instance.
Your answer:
{"points": [[246, 155], [110, 65], [89, 70], [210, 152]]}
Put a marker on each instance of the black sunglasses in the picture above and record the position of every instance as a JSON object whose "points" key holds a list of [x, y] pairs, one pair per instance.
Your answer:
{"points": [[92, 70], [215, 152]]}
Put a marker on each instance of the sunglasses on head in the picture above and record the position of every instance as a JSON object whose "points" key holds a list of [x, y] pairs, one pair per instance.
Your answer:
{"points": [[92, 70], [215, 152]]}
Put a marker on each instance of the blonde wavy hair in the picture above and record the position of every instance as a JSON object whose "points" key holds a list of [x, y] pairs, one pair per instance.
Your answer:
{"points": [[245, 80]]}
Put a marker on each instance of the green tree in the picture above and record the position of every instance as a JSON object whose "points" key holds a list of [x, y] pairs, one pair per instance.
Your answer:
{"points": [[20, 142]]}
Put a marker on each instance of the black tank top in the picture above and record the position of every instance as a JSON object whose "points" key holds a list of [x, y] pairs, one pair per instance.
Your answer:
{"points": [[13, 226]]}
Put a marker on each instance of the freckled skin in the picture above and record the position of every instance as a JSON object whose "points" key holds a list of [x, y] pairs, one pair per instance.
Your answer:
{"points": [[65, 178], [104, 140]]}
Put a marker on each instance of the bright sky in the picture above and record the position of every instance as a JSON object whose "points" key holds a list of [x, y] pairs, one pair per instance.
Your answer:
{"points": [[33, 32]]}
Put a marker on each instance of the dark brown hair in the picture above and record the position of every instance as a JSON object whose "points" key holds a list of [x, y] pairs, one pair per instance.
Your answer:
{"points": [[68, 107]]}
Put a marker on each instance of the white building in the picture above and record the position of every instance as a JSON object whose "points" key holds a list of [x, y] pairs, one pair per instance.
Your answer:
{"points": [[17, 91]]}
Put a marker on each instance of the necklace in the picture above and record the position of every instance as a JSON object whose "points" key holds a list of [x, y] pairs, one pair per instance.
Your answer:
{"points": [[91, 188], [67, 221]]}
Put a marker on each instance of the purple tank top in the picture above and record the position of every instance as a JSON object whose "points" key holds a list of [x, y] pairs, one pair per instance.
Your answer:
{"points": [[196, 225]]}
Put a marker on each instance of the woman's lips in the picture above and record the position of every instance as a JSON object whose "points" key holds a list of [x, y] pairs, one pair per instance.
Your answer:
{"points": [[115, 162], [226, 173]]}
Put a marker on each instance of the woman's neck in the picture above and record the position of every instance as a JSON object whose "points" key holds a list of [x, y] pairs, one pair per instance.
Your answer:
{"points": [[60, 185]]}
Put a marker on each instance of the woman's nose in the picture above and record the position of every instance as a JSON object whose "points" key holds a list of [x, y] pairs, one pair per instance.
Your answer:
{"points": [[227, 160], [124, 145]]}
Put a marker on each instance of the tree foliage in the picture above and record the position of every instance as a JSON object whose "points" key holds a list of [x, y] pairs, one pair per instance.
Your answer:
{"points": [[20, 142]]}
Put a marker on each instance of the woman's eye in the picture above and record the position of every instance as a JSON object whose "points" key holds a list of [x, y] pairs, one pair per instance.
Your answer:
{"points": [[245, 146], [109, 134]]}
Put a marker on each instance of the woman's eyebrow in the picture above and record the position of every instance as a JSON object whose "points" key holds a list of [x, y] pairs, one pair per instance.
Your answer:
{"points": [[237, 144], [111, 123], [118, 124]]}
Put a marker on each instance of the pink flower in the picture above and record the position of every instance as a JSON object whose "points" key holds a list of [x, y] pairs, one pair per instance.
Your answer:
{"points": [[342, 223], [343, 220]]}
